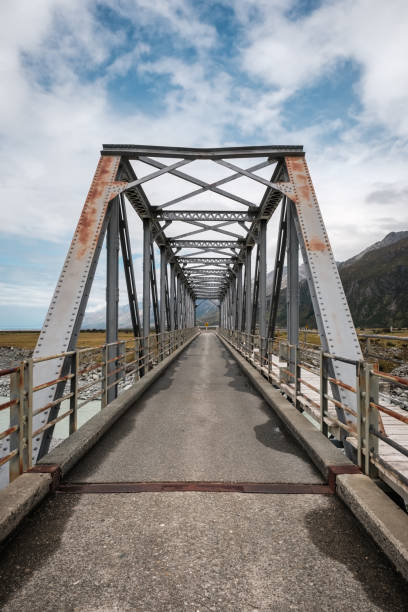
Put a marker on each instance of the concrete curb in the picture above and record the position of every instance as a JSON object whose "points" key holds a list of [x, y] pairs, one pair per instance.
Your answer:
{"points": [[19, 498], [26, 491], [386, 523], [380, 516], [321, 451]]}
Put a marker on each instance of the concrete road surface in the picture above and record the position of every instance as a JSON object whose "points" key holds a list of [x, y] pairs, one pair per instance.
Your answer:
{"points": [[196, 551], [201, 421]]}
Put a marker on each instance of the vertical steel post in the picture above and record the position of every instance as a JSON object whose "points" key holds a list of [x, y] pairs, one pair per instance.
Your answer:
{"points": [[178, 301], [184, 298], [112, 295], [163, 280], [239, 297], [248, 305], [324, 390], [230, 306], [233, 303], [147, 237], [73, 402], [262, 288], [172, 296], [292, 292], [163, 274]]}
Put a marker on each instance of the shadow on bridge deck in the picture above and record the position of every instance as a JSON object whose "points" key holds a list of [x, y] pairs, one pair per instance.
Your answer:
{"points": [[196, 551], [201, 421]]}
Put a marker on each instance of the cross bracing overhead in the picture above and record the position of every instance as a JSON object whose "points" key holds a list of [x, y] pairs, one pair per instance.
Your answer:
{"points": [[211, 235]]}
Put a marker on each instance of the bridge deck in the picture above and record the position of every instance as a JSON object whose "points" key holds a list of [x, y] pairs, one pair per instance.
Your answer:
{"points": [[196, 551], [201, 421]]}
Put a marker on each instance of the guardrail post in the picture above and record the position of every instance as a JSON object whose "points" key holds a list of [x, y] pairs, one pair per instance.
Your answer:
{"points": [[324, 389], [297, 377], [369, 393], [360, 412], [122, 363], [29, 410], [104, 367], [73, 402], [17, 418], [283, 356], [21, 414]]}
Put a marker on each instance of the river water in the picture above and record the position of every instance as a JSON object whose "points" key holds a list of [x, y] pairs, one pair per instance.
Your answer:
{"points": [[61, 430]]}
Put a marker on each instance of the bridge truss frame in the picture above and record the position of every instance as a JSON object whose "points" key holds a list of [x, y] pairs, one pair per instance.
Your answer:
{"points": [[220, 270]]}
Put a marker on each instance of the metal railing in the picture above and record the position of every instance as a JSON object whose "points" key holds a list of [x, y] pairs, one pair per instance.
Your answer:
{"points": [[98, 373], [305, 375]]}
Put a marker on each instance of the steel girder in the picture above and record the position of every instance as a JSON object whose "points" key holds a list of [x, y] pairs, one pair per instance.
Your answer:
{"points": [[204, 244], [137, 151], [203, 215], [206, 260], [188, 275]]}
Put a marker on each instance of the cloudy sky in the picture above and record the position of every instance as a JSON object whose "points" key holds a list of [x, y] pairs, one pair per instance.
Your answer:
{"points": [[329, 75]]}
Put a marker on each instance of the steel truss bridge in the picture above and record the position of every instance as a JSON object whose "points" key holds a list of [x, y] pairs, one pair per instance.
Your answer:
{"points": [[229, 269], [211, 237]]}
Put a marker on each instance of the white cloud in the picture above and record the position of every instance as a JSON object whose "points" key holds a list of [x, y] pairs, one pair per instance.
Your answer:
{"points": [[292, 53], [54, 117]]}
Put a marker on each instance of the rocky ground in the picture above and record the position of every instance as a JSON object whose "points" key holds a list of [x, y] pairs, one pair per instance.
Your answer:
{"points": [[11, 356], [399, 394]]}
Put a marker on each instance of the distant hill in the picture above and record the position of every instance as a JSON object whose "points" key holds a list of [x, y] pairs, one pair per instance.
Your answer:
{"points": [[375, 282]]}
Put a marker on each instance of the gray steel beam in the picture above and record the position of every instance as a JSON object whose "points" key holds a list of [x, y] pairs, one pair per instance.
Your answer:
{"points": [[239, 297], [292, 291], [128, 267], [190, 272], [178, 301], [278, 270], [147, 233], [203, 215], [222, 181], [163, 275], [172, 296], [196, 181], [135, 151], [206, 244], [210, 260], [153, 284], [248, 301], [156, 174], [262, 278], [112, 295], [233, 304], [210, 228]]}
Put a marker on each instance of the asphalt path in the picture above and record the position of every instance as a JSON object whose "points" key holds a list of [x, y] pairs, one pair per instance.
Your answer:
{"points": [[201, 421], [196, 551]]}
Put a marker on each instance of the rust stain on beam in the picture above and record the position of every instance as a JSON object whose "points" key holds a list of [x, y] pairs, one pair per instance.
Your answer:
{"points": [[103, 187]]}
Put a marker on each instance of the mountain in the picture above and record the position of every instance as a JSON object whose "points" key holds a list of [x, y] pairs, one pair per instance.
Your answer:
{"points": [[269, 278], [375, 283], [207, 312], [389, 240], [97, 319]]}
